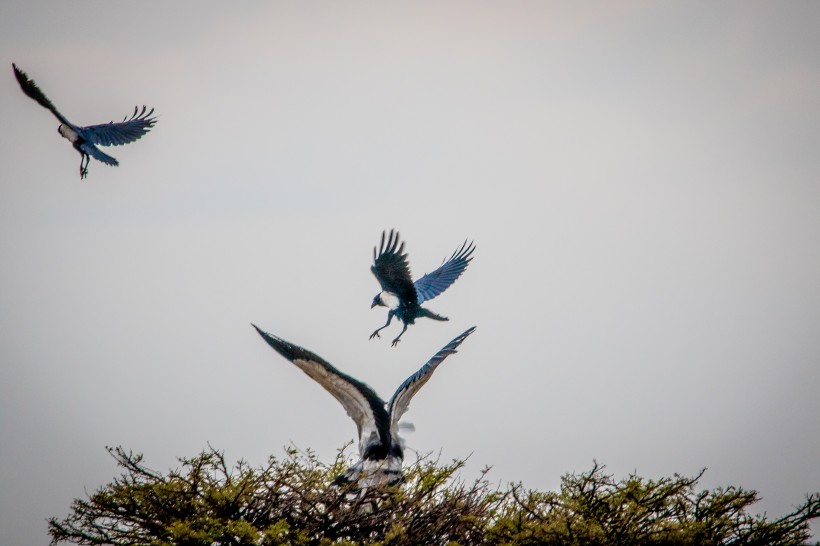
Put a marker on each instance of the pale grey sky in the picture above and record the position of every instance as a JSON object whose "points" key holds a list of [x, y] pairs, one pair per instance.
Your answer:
{"points": [[642, 181]]}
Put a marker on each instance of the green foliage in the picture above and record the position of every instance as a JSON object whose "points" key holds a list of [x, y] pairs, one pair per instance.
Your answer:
{"points": [[289, 502], [593, 509]]}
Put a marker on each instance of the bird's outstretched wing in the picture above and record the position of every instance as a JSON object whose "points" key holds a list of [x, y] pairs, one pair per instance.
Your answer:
{"points": [[400, 400], [126, 131], [30, 88], [433, 284], [391, 268], [362, 404]]}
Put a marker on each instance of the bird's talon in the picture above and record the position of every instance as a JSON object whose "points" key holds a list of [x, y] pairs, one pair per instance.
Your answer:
{"points": [[375, 334], [395, 342]]}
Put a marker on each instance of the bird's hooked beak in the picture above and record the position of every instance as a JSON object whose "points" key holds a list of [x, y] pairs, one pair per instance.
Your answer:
{"points": [[376, 301]]}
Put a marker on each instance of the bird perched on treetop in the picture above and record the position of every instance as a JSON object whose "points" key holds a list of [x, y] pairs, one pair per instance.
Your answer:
{"points": [[381, 450], [85, 139], [399, 293]]}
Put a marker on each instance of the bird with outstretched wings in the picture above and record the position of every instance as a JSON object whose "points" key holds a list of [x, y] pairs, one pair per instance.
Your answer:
{"points": [[381, 451], [86, 139], [399, 293]]}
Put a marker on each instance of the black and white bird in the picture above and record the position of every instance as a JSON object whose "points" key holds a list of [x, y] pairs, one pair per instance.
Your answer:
{"points": [[400, 294], [381, 450], [86, 139]]}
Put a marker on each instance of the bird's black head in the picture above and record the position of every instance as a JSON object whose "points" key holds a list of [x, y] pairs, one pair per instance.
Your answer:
{"points": [[376, 301]]}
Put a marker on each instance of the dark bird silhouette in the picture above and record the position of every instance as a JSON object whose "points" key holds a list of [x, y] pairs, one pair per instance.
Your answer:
{"points": [[86, 139], [399, 293], [381, 450]]}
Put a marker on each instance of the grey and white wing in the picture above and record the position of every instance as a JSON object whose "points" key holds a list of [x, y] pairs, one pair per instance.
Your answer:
{"points": [[360, 402], [400, 400]]}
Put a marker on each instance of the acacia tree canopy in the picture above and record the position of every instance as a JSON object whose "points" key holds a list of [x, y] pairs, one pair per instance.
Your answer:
{"points": [[290, 501]]}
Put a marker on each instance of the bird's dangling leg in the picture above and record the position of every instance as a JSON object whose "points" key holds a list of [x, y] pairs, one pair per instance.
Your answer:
{"points": [[84, 168], [389, 318], [396, 341]]}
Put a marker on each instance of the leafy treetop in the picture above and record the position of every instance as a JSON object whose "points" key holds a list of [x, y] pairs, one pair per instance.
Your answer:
{"points": [[289, 501]]}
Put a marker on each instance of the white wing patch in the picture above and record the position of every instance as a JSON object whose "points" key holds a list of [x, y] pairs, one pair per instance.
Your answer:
{"points": [[389, 299], [68, 133]]}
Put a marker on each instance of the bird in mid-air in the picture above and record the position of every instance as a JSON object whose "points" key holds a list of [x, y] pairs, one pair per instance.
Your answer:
{"points": [[381, 450], [86, 139], [400, 294]]}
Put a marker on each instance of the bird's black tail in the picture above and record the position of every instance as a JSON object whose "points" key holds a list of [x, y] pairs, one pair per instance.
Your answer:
{"points": [[429, 314]]}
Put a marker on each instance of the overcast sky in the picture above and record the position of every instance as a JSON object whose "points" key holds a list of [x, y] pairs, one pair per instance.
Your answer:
{"points": [[641, 179]]}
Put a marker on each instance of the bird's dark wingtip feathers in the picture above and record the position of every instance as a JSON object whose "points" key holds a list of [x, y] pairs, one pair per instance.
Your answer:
{"points": [[466, 333], [273, 341], [457, 341], [453, 346], [395, 247], [389, 244], [22, 77], [285, 348], [261, 332], [464, 253], [142, 115]]}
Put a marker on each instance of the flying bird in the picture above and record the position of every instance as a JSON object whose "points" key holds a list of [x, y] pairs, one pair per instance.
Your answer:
{"points": [[381, 450], [400, 294], [86, 139]]}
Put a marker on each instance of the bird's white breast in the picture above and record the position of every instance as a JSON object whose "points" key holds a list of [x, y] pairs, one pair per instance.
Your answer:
{"points": [[68, 133], [389, 299]]}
